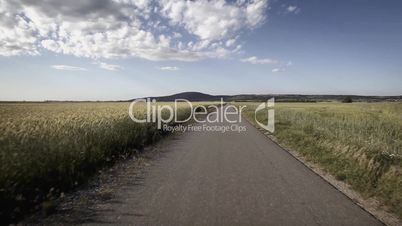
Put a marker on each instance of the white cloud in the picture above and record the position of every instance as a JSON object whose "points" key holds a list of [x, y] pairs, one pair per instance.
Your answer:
{"points": [[282, 67], [169, 68], [255, 60], [109, 67], [67, 68], [275, 70], [230, 42], [214, 20], [107, 29], [293, 9], [17, 35]]}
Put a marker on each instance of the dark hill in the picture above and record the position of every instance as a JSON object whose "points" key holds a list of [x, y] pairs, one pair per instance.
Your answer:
{"points": [[191, 96]]}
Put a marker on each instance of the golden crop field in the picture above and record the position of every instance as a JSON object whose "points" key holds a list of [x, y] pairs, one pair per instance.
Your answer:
{"points": [[360, 143], [56, 146]]}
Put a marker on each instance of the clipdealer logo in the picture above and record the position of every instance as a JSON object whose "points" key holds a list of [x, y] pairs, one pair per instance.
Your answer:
{"points": [[268, 107], [166, 116]]}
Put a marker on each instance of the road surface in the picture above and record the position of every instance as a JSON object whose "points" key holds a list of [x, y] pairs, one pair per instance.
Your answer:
{"points": [[214, 178]]}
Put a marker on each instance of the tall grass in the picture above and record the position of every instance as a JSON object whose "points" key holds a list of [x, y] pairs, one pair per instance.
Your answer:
{"points": [[48, 148], [360, 143]]}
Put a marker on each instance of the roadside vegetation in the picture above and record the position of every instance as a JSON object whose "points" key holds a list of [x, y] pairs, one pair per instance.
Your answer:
{"points": [[49, 148], [359, 143]]}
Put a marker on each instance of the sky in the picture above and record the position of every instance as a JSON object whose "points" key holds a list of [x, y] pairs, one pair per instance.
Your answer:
{"points": [[123, 49]]}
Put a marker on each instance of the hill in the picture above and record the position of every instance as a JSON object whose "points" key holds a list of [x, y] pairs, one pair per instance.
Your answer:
{"points": [[191, 96], [198, 96]]}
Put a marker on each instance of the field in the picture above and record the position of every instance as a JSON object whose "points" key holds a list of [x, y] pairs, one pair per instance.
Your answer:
{"points": [[359, 143], [48, 148]]}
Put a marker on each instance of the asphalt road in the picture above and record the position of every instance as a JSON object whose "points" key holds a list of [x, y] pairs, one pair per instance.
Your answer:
{"points": [[214, 178]]}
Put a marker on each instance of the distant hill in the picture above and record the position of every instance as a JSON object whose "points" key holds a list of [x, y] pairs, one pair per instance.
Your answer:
{"points": [[198, 96], [191, 96]]}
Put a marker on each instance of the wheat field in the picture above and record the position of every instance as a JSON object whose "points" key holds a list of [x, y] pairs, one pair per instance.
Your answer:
{"points": [[48, 148]]}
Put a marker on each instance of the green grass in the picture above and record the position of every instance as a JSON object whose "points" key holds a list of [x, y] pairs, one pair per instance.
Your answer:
{"points": [[48, 148], [359, 143]]}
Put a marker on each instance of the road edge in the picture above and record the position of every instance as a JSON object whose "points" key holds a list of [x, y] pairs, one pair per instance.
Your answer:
{"points": [[70, 209], [370, 205]]}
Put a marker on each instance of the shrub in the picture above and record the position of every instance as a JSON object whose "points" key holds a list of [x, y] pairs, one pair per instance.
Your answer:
{"points": [[347, 99]]}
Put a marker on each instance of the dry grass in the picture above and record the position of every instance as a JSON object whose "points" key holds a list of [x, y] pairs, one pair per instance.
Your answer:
{"points": [[360, 143]]}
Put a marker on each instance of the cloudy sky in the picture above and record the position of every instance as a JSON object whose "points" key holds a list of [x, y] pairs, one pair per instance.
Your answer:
{"points": [[120, 49]]}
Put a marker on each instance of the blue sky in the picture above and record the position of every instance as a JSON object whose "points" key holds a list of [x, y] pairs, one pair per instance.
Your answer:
{"points": [[304, 47]]}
